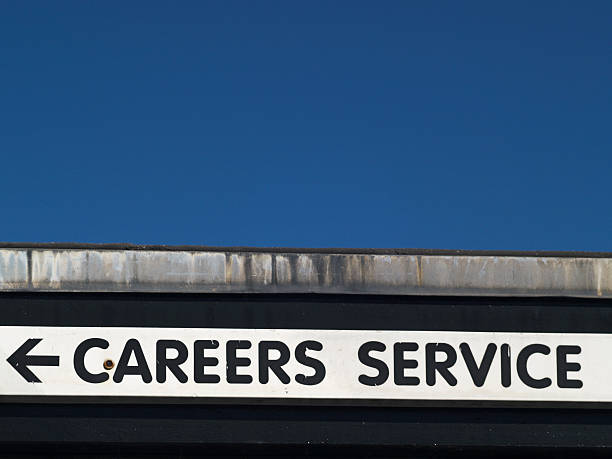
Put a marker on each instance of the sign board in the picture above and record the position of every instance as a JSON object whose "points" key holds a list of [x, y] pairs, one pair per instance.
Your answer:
{"points": [[243, 363], [318, 350]]}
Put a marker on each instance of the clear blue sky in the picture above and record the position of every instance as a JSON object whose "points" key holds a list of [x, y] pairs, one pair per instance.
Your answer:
{"points": [[473, 125]]}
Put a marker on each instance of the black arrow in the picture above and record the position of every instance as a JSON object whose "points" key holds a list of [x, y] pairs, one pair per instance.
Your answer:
{"points": [[20, 360]]}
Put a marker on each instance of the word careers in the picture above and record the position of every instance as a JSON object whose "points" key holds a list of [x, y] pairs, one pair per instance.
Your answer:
{"points": [[264, 363]]}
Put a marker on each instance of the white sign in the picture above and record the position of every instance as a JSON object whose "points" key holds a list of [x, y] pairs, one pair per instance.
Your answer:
{"points": [[314, 364]]}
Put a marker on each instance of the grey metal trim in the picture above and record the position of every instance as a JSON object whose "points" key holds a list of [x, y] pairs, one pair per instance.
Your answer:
{"points": [[298, 250], [93, 270]]}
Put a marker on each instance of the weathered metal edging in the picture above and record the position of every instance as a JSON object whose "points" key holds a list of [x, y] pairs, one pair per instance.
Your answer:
{"points": [[191, 271], [302, 250]]}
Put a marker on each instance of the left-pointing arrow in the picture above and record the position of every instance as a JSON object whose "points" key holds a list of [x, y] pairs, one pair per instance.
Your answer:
{"points": [[20, 360]]}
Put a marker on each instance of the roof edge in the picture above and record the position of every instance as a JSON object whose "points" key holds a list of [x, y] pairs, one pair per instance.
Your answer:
{"points": [[304, 250], [81, 269]]}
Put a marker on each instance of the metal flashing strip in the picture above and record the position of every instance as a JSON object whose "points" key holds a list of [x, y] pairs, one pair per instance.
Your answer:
{"points": [[178, 271], [302, 250], [106, 270]]}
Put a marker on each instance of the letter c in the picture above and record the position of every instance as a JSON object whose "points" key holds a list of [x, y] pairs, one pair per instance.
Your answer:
{"points": [[79, 360], [521, 366]]}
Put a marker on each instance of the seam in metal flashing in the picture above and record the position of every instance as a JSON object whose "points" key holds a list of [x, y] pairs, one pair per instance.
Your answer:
{"points": [[53, 269]]}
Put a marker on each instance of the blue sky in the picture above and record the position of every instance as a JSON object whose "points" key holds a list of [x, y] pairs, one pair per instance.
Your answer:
{"points": [[469, 125]]}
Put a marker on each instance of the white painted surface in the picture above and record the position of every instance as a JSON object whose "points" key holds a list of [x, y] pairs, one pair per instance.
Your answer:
{"points": [[339, 355]]}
